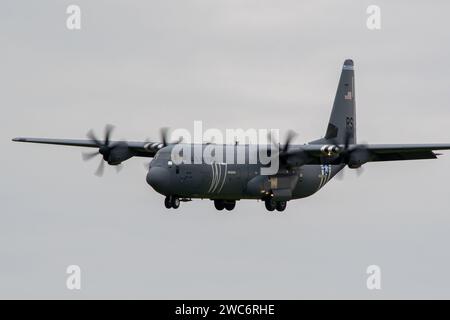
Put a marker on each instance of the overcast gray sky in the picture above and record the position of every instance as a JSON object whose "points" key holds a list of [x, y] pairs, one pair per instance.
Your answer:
{"points": [[142, 65]]}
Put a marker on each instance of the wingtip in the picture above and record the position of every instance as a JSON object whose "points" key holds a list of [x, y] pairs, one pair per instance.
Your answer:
{"points": [[20, 139]]}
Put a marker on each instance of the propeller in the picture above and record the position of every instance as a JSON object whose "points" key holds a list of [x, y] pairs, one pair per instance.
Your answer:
{"points": [[164, 132], [344, 152], [341, 174], [290, 136], [353, 156], [164, 136], [104, 149], [146, 165], [282, 148]]}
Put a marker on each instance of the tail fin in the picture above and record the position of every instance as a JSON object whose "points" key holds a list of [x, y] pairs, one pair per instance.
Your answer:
{"points": [[343, 117]]}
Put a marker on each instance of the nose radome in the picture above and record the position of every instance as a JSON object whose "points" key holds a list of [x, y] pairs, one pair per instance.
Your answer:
{"points": [[159, 179]]}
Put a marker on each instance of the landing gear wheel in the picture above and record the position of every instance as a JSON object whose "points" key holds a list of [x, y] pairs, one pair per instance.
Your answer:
{"points": [[175, 202], [281, 205], [172, 202], [168, 202], [270, 204], [230, 205], [219, 204]]}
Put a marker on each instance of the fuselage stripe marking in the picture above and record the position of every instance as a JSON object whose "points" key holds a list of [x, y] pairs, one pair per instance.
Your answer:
{"points": [[321, 177], [219, 173], [224, 177], [324, 178], [212, 178], [329, 173]]}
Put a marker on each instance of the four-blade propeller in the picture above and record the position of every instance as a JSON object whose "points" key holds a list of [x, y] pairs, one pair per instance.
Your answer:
{"points": [[116, 152], [354, 156], [282, 148], [104, 149]]}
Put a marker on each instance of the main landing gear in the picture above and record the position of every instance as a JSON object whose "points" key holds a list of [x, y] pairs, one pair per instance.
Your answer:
{"points": [[172, 202], [271, 205], [224, 204]]}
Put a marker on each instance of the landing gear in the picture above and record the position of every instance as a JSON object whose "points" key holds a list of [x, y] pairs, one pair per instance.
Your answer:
{"points": [[175, 203], [168, 202], [281, 205], [224, 204], [229, 205], [172, 202], [271, 205], [219, 204]]}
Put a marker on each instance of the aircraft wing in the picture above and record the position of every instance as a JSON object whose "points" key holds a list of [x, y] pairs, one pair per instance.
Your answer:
{"points": [[392, 152], [329, 153], [63, 142], [140, 149], [310, 153]]}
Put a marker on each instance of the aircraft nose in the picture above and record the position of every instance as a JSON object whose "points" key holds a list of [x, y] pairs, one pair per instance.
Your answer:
{"points": [[159, 179]]}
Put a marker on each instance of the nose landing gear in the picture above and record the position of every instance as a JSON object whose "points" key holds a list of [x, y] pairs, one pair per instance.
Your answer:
{"points": [[172, 202]]}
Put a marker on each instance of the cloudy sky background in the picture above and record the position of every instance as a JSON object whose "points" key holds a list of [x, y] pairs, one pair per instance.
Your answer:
{"points": [[142, 65]]}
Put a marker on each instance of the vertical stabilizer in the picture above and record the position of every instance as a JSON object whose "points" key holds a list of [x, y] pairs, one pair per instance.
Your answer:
{"points": [[343, 118]]}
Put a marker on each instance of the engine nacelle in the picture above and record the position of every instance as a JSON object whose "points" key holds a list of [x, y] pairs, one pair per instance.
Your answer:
{"points": [[118, 154], [358, 158]]}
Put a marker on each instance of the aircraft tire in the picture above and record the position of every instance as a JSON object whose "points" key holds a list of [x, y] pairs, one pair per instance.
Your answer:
{"points": [[219, 204], [175, 202], [230, 205], [168, 202], [281, 205], [270, 204]]}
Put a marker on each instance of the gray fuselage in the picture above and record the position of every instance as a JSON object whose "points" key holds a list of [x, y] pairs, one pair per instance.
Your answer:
{"points": [[231, 180]]}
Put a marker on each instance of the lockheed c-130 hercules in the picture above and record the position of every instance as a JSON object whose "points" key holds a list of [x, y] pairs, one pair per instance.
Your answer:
{"points": [[303, 169]]}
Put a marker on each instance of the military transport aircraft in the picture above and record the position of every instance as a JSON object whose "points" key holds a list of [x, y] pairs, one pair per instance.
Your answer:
{"points": [[303, 169]]}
